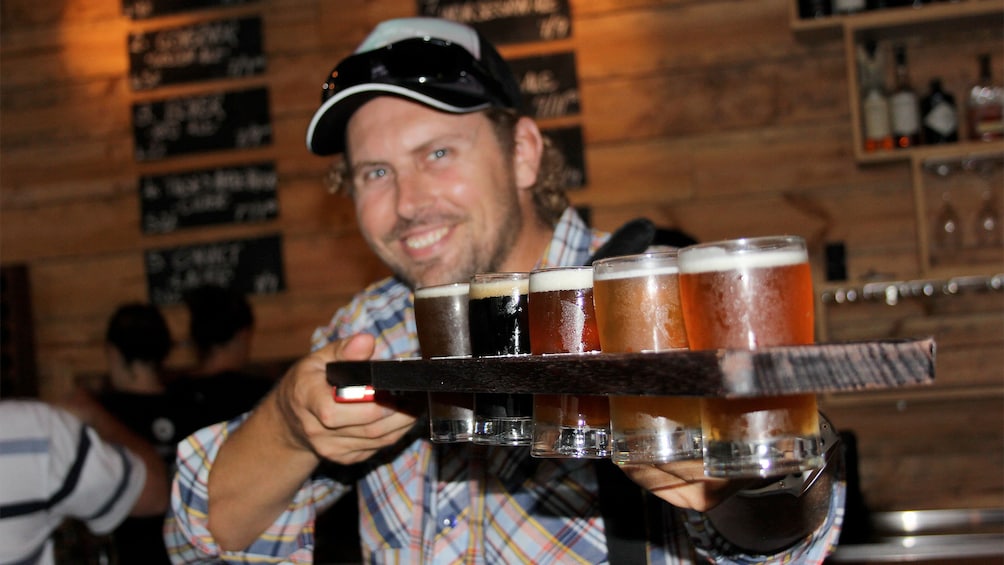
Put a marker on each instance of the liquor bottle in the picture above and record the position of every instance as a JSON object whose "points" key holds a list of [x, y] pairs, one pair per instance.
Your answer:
{"points": [[904, 106], [874, 102], [941, 122], [848, 6], [985, 107], [811, 9]]}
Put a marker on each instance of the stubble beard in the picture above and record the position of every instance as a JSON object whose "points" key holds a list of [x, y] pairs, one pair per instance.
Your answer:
{"points": [[485, 258]]}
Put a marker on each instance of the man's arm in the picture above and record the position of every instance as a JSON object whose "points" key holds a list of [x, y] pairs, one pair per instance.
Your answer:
{"points": [[153, 499], [266, 461]]}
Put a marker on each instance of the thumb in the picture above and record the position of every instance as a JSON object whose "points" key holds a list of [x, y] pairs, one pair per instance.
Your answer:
{"points": [[359, 347]]}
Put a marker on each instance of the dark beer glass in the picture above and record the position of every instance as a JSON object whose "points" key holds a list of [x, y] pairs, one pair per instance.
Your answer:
{"points": [[562, 320], [745, 294], [441, 323], [499, 325]]}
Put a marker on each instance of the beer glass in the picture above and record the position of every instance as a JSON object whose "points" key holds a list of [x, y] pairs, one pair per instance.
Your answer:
{"points": [[562, 320], [499, 325], [745, 294], [441, 323], [637, 301]]}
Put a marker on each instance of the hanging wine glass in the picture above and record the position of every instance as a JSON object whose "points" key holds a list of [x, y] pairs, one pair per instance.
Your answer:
{"points": [[946, 233], [989, 231], [987, 223]]}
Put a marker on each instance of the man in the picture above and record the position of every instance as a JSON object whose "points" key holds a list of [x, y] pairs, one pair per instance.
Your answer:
{"points": [[53, 466], [448, 179]]}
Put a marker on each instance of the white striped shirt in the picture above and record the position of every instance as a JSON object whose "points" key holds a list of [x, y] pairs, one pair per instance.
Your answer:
{"points": [[54, 467]]}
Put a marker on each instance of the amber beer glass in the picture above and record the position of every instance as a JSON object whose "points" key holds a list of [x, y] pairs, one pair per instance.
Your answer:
{"points": [[637, 300], [562, 320], [746, 294], [499, 325], [441, 323]]}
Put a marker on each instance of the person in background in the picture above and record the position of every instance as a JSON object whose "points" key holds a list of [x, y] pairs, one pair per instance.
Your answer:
{"points": [[221, 327], [56, 466], [449, 178], [137, 342]]}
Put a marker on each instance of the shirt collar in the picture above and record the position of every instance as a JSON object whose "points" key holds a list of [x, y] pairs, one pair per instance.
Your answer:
{"points": [[573, 242]]}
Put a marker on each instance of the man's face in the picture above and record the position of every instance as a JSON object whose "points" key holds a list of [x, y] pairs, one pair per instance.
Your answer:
{"points": [[435, 197]]}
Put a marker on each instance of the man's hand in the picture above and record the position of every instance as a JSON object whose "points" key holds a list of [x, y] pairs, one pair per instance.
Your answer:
{"points": [[262, 465], [345, 433], [683, 484]]}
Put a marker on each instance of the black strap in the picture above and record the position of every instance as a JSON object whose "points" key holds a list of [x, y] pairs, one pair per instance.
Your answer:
{"points": [[633, 237], [623, 507]]}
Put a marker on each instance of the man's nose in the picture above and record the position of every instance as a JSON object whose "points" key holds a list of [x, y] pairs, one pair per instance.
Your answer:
{"points": [[413, 194]]}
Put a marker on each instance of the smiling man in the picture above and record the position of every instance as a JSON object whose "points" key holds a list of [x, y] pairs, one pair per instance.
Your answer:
{"points": [[448, 179]]}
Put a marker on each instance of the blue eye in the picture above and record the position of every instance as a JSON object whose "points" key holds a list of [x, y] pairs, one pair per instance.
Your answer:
{"points": [[374, 174], [438, 154]]}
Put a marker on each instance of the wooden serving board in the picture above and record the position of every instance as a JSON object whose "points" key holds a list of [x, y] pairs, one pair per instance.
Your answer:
{"points": [[834, 367]]}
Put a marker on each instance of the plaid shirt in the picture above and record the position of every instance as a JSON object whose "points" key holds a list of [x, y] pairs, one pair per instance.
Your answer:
{"points": [[447, 503]]}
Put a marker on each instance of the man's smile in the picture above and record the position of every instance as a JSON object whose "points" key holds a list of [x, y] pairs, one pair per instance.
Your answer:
{"points": [[426, 239]]}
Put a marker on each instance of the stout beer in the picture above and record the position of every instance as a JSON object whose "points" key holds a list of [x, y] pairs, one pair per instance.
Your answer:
{"points": [[499, 325]]}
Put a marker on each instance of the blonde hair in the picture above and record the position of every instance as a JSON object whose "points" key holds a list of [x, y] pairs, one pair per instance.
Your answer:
{"points": [[549, 191]]}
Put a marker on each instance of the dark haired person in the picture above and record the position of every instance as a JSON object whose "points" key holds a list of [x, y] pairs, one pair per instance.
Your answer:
{"points": [[448, 178], [219, 387], [137, 342]]}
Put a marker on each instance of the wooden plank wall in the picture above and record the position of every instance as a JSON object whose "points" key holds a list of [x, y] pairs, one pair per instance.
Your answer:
{"points": [[706, 115]]}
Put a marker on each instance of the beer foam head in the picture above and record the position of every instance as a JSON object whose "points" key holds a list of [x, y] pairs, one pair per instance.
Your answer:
{"points": [[441, 290], [549, 280], [633, 266], [499, 284], [702, 259]]}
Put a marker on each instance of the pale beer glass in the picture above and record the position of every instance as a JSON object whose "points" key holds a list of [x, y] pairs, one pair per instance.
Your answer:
{"points": [[441, 324], [499, 325], [747, 294], [562, 320], [637, 302]]}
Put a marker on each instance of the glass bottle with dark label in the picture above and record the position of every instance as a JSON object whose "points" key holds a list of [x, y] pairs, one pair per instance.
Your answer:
{"points": [[985, 105], [940, 122], [811, 9], [904, 106]]}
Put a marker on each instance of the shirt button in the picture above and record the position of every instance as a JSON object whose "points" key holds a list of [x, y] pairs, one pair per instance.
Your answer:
{"points": [[449, 522]]}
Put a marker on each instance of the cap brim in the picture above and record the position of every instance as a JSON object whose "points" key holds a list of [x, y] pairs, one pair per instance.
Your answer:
{"points": [[326, 132]]}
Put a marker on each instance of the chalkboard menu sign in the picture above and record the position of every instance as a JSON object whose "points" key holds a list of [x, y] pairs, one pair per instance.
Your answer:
{"points": [[549, 84], [569, 142], [252, 266], [177, 126], [203, 51], [207, 197], [506, 21], [140, 9]]}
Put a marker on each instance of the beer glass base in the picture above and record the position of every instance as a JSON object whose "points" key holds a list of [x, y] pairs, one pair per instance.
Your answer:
{"points": [[451, 431], [647, 446], [503, 431], [766, 458], [572, 442]]}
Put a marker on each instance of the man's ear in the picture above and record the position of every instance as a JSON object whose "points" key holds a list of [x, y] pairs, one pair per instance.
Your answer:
{"points": [[527, 151]]}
